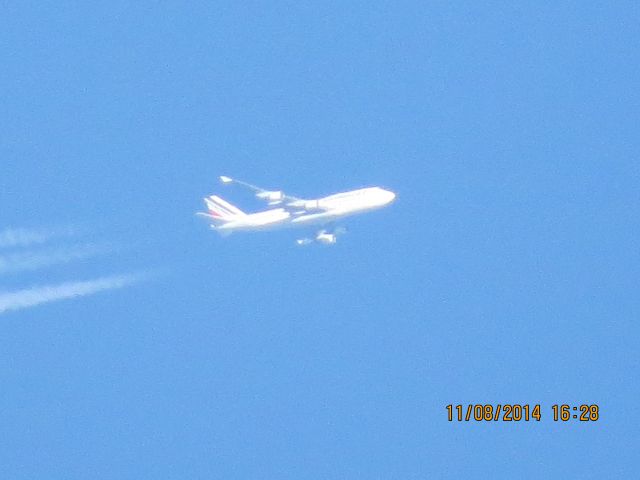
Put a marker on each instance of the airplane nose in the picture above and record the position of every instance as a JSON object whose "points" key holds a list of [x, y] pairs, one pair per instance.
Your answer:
{"points": [[390, 196]]}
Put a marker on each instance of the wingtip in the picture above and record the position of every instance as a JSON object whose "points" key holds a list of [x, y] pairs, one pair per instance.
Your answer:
{"points": [[225, 179]]}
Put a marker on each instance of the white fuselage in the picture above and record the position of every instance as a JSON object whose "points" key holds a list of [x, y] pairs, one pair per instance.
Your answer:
{"points": [[312, 212]]}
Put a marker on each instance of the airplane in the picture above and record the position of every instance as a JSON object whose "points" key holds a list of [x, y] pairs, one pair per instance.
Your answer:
{"points": [[289, 212]]}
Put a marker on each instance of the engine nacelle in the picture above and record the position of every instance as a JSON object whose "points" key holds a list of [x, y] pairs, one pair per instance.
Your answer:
{"points": [[326, 238], [273, 197], [305, 205], [311, 205]]}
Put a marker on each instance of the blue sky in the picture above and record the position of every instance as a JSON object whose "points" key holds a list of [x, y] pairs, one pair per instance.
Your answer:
{"points": [[505, 272]]}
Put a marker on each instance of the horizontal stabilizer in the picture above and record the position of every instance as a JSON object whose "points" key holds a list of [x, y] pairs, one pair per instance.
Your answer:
{"points": [[212, 219], [214, 223]]}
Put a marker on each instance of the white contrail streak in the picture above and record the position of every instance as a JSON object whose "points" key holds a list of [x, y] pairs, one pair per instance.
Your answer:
{"points": [[22, 237], [23, 261], [33, 296]]}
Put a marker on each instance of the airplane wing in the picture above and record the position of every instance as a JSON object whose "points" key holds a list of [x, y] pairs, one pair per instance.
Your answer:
{"points": [[272, 197]]}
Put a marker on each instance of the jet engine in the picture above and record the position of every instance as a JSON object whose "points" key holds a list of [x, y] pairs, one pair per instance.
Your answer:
{"points": [[326, 238], [311, 205], [305, 205], [273, 197]]}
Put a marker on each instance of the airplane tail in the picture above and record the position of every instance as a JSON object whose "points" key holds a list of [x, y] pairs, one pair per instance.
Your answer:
{"points": [[220, 211]]}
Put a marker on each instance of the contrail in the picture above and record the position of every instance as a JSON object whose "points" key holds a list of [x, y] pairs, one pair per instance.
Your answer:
{"points": [[23, 261], [22, 237], [33, 296]]}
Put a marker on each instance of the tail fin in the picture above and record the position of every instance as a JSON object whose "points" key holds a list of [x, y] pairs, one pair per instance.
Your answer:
{"points": [[222, 209]]}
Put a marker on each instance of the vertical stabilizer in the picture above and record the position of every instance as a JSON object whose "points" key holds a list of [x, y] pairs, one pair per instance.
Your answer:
{"points": [[222, 209]]}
